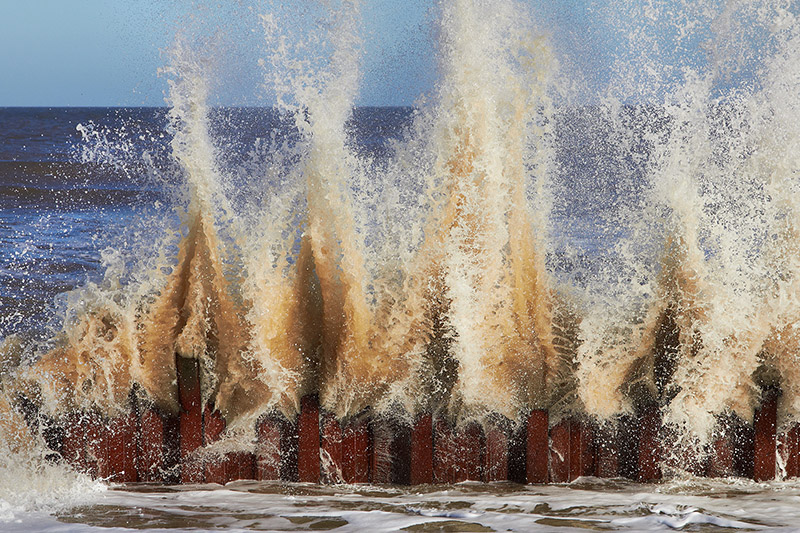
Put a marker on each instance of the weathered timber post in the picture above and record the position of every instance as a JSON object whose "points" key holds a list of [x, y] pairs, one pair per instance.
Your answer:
{"points": [[422, 450], [538, 447], [308, 441], [191, 418], [764, 446]]}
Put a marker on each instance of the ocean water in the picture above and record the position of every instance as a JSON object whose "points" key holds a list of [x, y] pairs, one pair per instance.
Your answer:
{"points": [[499, 247], [58, 213], [586, 504], [64, 212], [67, 196]]}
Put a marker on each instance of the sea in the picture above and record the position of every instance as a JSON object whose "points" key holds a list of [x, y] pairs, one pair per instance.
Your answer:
{"points": [[68, 208], [78, 182]]}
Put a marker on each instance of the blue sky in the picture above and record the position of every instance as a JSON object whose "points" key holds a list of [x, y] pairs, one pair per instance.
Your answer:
{"points": [[82, 52], [108, 52]]}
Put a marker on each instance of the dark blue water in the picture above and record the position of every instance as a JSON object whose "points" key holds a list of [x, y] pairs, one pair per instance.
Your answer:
{"points": [[77, 181]]}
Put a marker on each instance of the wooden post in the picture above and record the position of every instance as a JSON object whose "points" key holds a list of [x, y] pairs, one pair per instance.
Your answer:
{"points": [[764, 449], [73, 448], [382, 438], [560, 452], [443, 452], [537, 451], [119, 440], [627, 440], [191, 418], [290, 450], [720, 460], [97, 453], [224, 467], [682, 454], [391, 451], [743, 444], [269, 431], [115, 448], [422, 450], [789, 448], [215, 465], [129, 429], [468, 452], [495, 465], [581, 450], [98, 444], [241, 465], [571, 451], [606, 452], [649, 455], [308, 446], [331, 444], [356, 450], [721, 451], [153, 454]]}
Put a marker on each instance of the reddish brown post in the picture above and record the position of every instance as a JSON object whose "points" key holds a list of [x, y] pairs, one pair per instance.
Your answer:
{"points": [[581, 450], [356, 451], [151, 452], [308, 445], [789, 448], [98, 438], [268, 450], [422, 450], [720, 459], [191, 418], [240, 465], [682, 452], [290, 444], [468, 452], [74, 447], [628, 430], [537, 451], [96, 447], [121, 447], [684, 456], [764, 448], [721, 451], [115, 449], [443, 452], [560, 452], [606, 452], [495, 465], [129, 431], [331, 444], [215, 465], [793, 451], [382, 438], [649, 456]]}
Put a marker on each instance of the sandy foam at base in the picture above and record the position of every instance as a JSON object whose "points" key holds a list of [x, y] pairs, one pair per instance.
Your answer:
{"points": [[588, 503]]}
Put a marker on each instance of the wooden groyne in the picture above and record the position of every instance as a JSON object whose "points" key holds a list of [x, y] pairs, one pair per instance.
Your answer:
{"points": [[147, 445]]}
